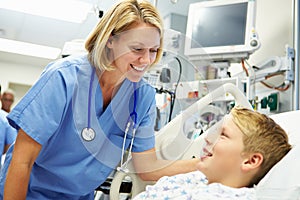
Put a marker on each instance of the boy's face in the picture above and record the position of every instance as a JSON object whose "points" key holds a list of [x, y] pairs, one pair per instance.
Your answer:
{"points": [[222, 162]]}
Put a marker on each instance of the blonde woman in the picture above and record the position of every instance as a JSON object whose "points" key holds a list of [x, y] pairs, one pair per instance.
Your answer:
{"points": [[84, 112]]}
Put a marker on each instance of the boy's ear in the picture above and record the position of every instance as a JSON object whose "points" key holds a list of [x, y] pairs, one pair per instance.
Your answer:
{"points": [[252, 161]]}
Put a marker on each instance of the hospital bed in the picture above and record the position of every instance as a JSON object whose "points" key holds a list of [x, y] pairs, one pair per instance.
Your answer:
{"points": [[282, 181]]}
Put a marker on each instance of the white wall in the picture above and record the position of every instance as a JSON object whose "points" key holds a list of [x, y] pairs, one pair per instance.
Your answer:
{"points": [[12, 74], [274, 24]]}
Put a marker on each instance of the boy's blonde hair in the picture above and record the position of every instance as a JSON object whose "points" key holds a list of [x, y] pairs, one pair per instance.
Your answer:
{"points": [[261, 135], [122, 17]]}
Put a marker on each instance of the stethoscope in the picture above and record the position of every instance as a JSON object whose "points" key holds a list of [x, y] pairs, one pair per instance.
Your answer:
{"points": [[123, 165], [88, 133]]}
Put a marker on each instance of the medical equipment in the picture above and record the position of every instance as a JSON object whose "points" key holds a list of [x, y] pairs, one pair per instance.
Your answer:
{"points": [[123, 165], [275, 65], [172, 144], [196, 125], [221, 30], [88, 133], [169, 144], [281, 182], [275, 73]]}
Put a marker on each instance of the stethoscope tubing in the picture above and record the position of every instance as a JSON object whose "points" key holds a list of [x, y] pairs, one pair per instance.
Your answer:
{"points": [[123, 165], [90, 98], [133, 114]]}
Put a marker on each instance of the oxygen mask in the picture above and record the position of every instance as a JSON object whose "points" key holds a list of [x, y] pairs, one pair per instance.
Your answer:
{"points": [[211, 137]]}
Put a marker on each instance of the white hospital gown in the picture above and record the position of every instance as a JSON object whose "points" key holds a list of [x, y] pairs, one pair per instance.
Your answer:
{"points": [[192, 186]]}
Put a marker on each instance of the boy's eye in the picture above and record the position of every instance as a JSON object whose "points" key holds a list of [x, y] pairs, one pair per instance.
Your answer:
{"points": [[223, 134]]}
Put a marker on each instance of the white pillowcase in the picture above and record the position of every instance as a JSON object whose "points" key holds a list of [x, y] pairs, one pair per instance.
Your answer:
{"points": [[282, 182]]}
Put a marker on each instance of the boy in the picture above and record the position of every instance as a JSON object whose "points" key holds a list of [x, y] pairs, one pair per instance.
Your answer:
{"points": [[248, 146]]}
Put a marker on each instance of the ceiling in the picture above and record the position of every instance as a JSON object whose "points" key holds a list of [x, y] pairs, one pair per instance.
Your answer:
{"points": [[54, 33], [43, 31]]}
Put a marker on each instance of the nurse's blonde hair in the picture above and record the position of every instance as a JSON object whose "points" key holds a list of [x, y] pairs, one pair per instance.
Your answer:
{"points": [[122, 17], [261, 135]]}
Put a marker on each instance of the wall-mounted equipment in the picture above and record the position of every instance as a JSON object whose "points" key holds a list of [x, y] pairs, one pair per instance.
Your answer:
{"points": [[221, 30]]}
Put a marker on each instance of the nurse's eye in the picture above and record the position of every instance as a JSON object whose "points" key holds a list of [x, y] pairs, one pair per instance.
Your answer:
{"points": [[153, 50], [137, 49]]}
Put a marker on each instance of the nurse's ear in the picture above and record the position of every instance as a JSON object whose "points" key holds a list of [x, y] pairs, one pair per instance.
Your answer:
{"points": [[109, 42]]}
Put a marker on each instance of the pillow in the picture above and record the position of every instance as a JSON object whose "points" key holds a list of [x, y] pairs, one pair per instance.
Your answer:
{"points": [[283, 180]]}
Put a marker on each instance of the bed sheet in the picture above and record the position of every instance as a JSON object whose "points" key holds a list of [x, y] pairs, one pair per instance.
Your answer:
{"points": [[193, 186]]}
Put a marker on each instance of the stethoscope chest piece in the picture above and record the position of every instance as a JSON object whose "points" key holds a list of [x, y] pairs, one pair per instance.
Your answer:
{"points": [[88, 134]]}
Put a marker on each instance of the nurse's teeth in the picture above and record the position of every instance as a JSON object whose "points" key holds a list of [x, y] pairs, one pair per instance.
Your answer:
{"points": [[138, 68]]}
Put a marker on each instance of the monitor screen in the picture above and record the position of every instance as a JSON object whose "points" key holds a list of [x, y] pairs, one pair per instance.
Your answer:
{"points": [[221, 30]]}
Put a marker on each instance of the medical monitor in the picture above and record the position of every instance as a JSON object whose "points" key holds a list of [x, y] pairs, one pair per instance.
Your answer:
{"points": [[221, 30]]}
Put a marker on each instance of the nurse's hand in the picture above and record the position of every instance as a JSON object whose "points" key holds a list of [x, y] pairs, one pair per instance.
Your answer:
{"points": [[24, 154]]}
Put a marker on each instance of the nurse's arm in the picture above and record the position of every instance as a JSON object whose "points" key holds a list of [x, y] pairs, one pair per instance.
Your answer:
{"points": [[25, 152], [149, 168]]}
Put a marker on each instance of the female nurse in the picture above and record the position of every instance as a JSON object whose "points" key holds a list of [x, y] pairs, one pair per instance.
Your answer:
{"points": [[75, 122]]}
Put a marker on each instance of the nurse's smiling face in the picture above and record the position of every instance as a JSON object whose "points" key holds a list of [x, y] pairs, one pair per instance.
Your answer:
{"points": [[133, 51]]}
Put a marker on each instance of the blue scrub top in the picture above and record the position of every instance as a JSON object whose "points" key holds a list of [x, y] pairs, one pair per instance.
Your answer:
{"points": [[7, 133], [55, 111]]}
